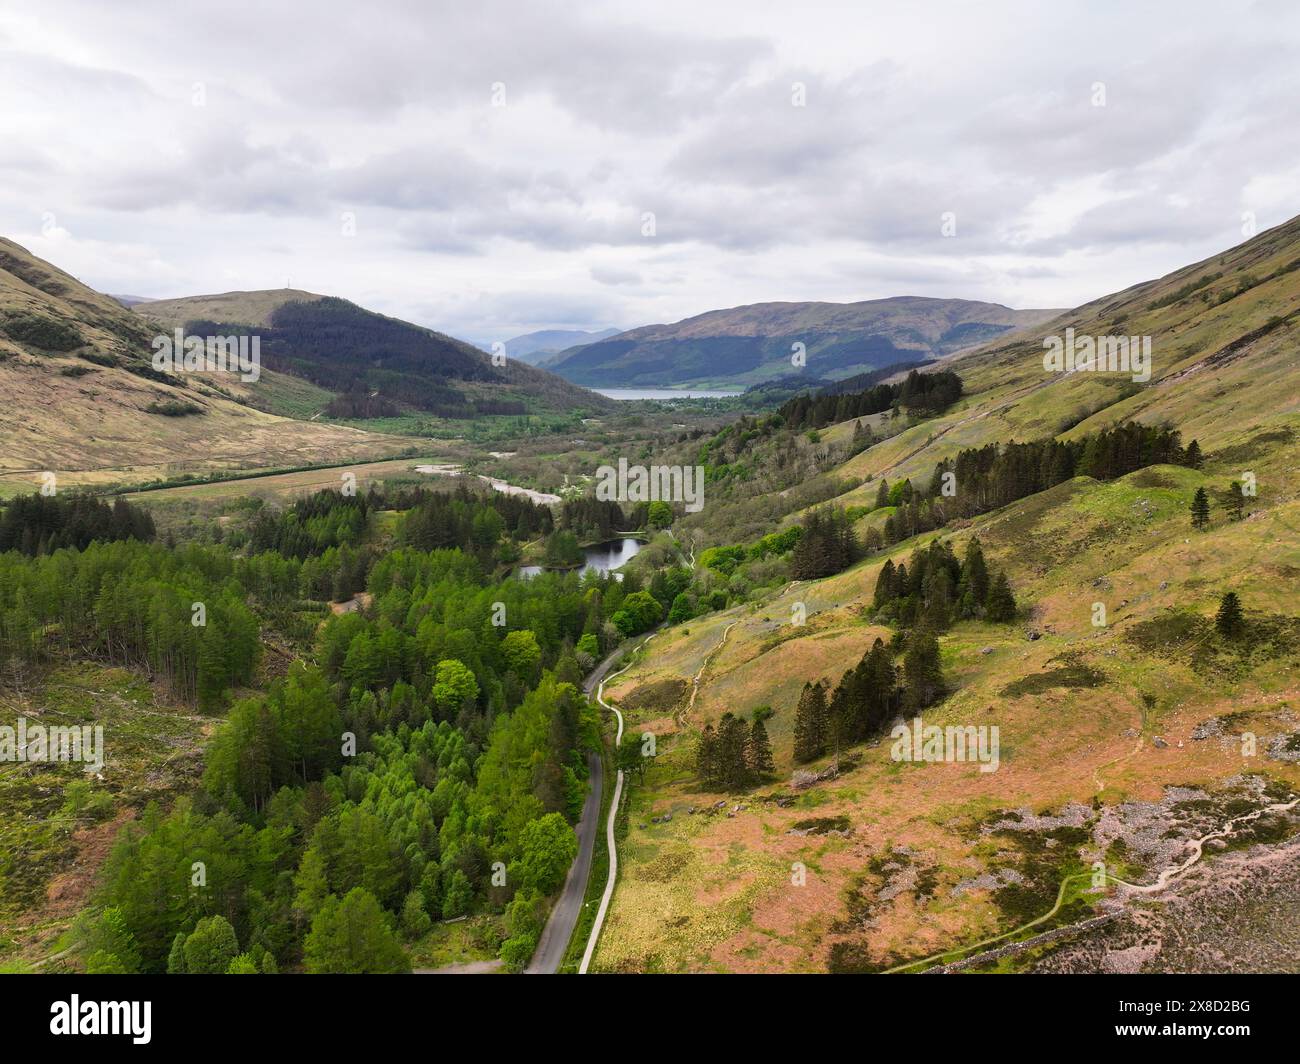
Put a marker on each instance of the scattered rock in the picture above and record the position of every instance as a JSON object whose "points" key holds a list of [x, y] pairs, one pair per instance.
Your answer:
{"points": [[986, 650], [1159, 743], [1285, 748]]}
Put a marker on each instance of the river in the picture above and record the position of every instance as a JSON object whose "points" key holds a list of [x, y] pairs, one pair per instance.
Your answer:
{"points": [[542, 498]]}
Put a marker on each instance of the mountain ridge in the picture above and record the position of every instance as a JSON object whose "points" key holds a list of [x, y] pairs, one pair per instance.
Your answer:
{"points": [[755, 342], [532, 348], [375, 364]]}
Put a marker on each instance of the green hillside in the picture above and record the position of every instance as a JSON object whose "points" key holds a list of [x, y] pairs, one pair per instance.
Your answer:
{"points": [[83, 400], [1130, 723]]}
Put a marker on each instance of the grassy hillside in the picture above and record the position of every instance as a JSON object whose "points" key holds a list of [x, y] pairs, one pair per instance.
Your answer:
{"points": [[83, 401], [1120, 742], [751, 344], [367, 365]]}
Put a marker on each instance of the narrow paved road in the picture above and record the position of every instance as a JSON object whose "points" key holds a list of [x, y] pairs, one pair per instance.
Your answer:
{"points": [[611, 847], [554, 942]]}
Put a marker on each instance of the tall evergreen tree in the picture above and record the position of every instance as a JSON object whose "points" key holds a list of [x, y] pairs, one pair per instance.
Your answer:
{"points": [[352, 937], [706, 756], [1200, 509], [1235, 500], [1229, 622], [732, 741], [973, 588], [885, 588], [759, 752], [922, 672], [810, 723], [1000, 606]]}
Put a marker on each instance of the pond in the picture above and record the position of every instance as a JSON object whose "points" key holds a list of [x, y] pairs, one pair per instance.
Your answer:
{"points": [[601, 557]]}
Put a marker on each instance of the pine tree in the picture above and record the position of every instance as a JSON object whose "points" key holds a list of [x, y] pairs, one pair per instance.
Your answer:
{"points": [[881, 688], [706, 756], [1200, 509], [759, 752], [922, 673], [882, 494], [732, 741], [973, 587], [884, 585], [352, 936], [1000, 606], [1235, 500], [1192, 455], [1229, 622], [810, 723]]}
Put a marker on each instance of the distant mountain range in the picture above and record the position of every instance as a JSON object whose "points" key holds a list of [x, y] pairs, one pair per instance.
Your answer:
{"points": [[748, 345], [532, 348]]}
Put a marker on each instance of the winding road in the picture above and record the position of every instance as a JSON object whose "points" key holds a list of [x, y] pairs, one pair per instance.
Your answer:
{"points": [[612, 849], [554, 943]]}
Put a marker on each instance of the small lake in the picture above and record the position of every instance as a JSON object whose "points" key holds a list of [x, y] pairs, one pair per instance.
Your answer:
{"points": [[602, 557], [664, 393]]}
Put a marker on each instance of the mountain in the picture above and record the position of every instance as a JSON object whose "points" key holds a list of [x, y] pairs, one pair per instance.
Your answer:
{"points": [[371, 365], [83, 400], [1129, 723], [751, 344], [532, 348], [130, 301]]}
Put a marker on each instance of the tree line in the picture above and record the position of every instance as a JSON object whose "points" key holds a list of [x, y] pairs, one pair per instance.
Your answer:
{"points": [[922, 393], [40, 524], [985, 478]]}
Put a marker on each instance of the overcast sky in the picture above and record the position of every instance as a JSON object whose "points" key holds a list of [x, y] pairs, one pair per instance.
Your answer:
{"points": [[497, 160]]}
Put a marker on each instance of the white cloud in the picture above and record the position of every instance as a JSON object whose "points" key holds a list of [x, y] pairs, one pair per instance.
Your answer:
{"points": [[188, 148]]}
